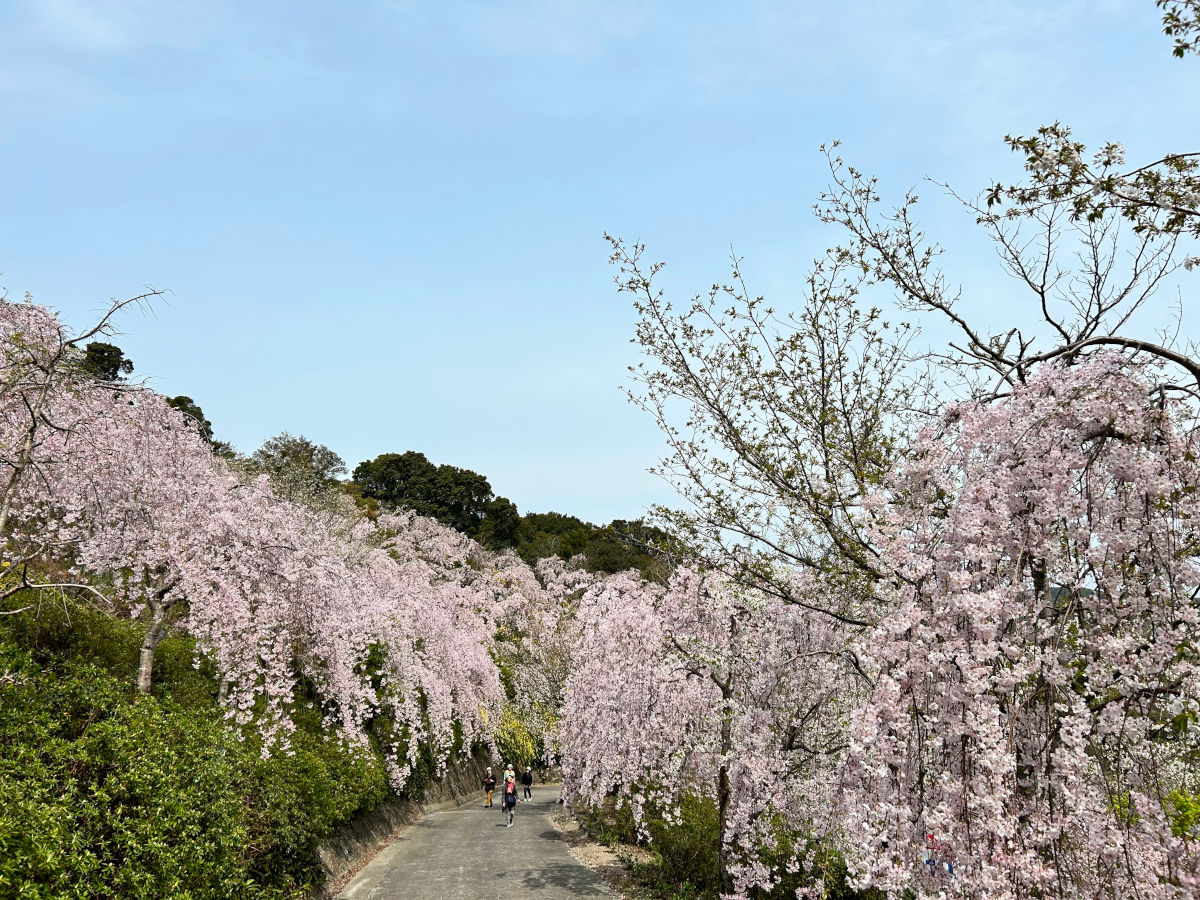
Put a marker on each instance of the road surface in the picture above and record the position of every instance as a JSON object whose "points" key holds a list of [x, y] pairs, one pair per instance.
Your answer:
{"points": [[468, 854]]}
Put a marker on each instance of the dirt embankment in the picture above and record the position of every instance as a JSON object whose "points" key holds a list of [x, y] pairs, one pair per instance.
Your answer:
{"points": [[613, 864]]}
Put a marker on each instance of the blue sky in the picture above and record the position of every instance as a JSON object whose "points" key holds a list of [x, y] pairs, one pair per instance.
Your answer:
{"points": [[380, 221]]}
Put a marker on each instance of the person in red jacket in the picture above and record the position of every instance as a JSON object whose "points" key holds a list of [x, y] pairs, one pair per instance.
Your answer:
{"points": [[510, 798]]}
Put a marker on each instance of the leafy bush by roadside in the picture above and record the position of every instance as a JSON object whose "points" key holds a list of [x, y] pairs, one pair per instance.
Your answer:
{"points": [[108, 793], [684, 851], [107, 796]]}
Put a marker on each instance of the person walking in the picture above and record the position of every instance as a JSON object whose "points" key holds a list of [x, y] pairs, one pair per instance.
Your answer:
{"points": [[510, 798], [527, 781], [489, 785]]}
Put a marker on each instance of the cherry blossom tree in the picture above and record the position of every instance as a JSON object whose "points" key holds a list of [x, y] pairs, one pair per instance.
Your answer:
{"points": [[436, 629], [1037, 704], [528, 612], [46, 396], [391, 620], [536, 644], [783, 431], [709, 688], [778, 423], [790, 420]]}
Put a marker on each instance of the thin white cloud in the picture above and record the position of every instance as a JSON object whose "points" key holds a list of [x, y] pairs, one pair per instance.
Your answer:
{"points": [[576, 29], [120, 26]]}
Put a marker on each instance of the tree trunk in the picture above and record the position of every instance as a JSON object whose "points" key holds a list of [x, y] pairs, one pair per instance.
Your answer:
{"points": [[722, 822], [723, 794], [154, 634]]}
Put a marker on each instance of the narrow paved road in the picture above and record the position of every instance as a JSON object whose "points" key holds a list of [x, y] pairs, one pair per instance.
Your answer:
{"points": [[468, 854]]}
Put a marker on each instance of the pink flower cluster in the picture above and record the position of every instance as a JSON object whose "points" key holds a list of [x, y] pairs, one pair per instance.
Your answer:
{"points": [[703, 686], [1022, 718], [396, 617], [1035, 704]]}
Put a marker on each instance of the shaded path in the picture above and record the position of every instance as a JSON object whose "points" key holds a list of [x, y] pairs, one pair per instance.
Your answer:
{"points": [[468, 854]]}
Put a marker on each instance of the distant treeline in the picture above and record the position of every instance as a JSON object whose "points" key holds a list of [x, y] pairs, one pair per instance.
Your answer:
{"points": [[464, 500], [457, 497]]}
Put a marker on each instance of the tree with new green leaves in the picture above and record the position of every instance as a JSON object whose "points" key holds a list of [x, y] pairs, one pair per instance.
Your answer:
{"points": [[302, 471], [286, 453], [1181, 20], [1160, 197]]}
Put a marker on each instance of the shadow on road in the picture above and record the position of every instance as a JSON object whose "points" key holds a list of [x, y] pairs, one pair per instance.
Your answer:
{"points": [[575, 880]]}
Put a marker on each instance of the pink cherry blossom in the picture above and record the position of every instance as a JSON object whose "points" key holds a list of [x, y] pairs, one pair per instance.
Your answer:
{"points": [[1036, 694]]}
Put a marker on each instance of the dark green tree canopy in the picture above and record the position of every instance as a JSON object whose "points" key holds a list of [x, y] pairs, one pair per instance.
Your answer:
{"points": [[192, 410], [552, 534], [622, 545], [456, 497], [105, 362], [501, 524], [463, 500]]}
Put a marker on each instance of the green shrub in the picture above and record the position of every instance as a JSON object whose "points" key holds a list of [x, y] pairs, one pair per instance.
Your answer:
{"points": [[687, 849], [610, 824], [108, 793], [296, 798], [684, 848], [111, 795], [78, 632]]}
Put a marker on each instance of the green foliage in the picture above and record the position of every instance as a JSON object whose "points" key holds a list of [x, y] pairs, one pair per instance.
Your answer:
{"points": [[107, 795], [500, 524], [298, 467], [685, 862], [463, 500], [1184, 810], [118, 795], [615, 547], [1181, 20], [456, 497], [105, 362], [623, 545], [1123, 808], [71, 631], [192, 410], [300, 795], [612, 824], [514, 741], [687, 849], [827, 868], [542, 535]]}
